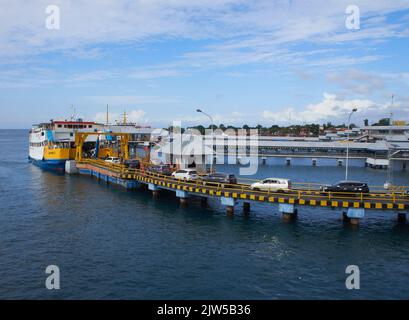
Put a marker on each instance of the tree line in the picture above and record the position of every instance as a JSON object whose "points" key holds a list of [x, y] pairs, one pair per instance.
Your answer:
{"points": [[313, 129]]}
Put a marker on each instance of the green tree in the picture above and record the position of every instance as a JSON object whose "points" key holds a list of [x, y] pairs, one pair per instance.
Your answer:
{"points": [[382, 122]]}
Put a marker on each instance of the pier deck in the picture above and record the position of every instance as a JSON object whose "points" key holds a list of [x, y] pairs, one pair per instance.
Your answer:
{"points": [[396, 201]]}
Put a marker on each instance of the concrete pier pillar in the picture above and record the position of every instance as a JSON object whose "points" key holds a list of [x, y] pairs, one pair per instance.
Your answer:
{"points": [[183, 196], [229, 203], [288, 211], [229, 210], [154, 189], [403, 165], [183, 202], [355, 215], [246, 208], [314, 162], [345, 217], [288, 161], [289, 217], [263, 160], [340, 162], [401, 217], [203, 201]]}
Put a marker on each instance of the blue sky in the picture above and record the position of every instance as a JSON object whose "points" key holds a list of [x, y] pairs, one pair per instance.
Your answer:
{"points": [[244, 62]]}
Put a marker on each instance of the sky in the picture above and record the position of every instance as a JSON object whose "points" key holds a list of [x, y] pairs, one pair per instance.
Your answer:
{"points": [[243, 62]]}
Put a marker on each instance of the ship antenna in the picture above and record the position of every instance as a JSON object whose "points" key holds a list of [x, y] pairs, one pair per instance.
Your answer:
{"points": [[73, 113]]}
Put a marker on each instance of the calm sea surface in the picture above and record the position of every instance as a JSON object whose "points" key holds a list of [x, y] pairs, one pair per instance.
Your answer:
{"points": [[114, 244]]}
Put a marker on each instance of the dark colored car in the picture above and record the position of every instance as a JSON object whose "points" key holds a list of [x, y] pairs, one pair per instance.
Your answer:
{"points": [[160, 169], [347, 187], [132, 164], [219, 178]]}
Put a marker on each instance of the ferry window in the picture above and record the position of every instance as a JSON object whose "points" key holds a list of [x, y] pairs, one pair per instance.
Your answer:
{"points": [[89, 126], [69, 126], [59, 126], [71, 134]]}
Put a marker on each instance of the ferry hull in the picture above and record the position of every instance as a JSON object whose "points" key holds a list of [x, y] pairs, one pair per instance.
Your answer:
{"points": [[53, 165]]}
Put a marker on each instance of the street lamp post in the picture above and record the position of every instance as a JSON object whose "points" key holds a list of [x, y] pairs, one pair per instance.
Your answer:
{"points": [[212, 124], [347, 158], [388, 182]]}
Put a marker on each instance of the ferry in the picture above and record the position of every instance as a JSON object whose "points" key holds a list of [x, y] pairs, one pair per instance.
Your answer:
{"points": [[53, 143]]}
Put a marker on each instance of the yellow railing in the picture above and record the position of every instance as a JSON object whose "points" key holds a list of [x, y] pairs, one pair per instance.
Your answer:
{"points": [[240, 188]]}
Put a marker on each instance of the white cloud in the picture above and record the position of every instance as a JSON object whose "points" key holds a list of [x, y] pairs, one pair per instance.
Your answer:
{"points": [[331, 108], [260, 26], [23, 31], [238, 32], [357, 81], [153, 73]]}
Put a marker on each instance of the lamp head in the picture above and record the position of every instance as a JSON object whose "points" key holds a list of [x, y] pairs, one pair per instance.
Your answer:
{"points": [[354, 110], [198, 110]]}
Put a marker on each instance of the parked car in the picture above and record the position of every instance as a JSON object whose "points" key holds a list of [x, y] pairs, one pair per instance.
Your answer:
{"points": [[132, 164], [185, 174], [272, 184], [114, 160], [160, 169], [346, 187], [219, 178]]}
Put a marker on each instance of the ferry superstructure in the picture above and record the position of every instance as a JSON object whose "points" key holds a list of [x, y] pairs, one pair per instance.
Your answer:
{"points": [[52, 144]]}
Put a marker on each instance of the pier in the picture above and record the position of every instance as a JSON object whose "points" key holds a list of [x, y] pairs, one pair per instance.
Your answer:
{"points": [[352, 206]]}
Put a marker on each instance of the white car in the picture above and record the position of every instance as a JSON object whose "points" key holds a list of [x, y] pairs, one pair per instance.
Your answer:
{"points": [[272, 184], [114, 160], [185, 174]]}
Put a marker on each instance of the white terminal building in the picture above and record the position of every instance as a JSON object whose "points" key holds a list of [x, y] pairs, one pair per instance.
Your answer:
{"points": [[377, 147]]}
